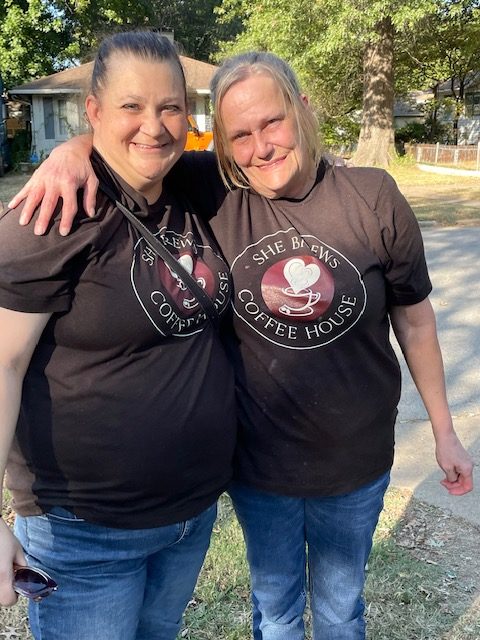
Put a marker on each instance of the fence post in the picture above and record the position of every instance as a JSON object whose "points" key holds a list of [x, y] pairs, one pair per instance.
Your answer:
{"points": [[437, 149], [455, 156], [419, 153]]}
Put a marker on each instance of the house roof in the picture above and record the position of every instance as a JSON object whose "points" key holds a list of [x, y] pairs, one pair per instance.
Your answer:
{"points": [[412, 105], [472, 81], [76, 79]]}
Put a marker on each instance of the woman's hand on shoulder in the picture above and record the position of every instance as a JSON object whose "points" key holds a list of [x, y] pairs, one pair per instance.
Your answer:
{"points": [[66, 170]]}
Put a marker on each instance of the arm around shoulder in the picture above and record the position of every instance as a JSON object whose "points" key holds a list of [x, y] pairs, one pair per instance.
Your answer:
{"points": [[66, 170]]}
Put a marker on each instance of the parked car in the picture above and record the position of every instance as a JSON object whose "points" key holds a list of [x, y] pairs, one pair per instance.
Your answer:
{"points": [[198, 140]]}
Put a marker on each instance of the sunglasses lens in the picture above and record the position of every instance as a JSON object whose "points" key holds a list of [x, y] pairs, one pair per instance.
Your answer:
{"points": [[31, 583]]}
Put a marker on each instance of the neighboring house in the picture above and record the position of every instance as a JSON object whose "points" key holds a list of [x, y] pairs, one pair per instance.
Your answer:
{"points": [[410, 108], [469, 120], [57, 102]]}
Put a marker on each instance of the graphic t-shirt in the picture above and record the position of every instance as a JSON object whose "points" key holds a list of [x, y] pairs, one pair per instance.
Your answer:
{"points": [[127, 414], [318, 382]]}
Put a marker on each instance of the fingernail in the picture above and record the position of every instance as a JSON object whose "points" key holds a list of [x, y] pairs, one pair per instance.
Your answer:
{"points": [[9, 205], [91, 213], [63, 231], [39, 230], [21, 220]]}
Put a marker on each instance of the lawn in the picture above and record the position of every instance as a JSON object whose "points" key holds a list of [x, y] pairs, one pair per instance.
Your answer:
{"points": [[445, 199], [419, 586]]}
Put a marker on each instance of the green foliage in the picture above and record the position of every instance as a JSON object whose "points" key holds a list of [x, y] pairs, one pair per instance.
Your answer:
{"points": [[20, 148], [32, 35], [39, 37], [414, 132], [325, 41], [339, 133]]}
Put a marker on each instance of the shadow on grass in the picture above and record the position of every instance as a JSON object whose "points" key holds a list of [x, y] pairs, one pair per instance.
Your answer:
{"points": [[409, 595], [414, 589]]}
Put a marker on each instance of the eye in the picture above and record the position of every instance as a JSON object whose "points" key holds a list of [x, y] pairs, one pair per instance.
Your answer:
{"points": [[131, 106], [241, 136], [273, 122], [173, 108]]}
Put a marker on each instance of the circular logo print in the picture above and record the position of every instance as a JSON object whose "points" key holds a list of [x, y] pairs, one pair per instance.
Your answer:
{"points": [[301, 287], [297, 291]]}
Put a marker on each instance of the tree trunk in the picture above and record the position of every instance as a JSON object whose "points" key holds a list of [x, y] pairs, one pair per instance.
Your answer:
{"points": [[376, 146]]}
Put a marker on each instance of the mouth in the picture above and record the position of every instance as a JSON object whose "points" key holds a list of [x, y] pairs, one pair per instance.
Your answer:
{"points": [[149, 147], [273, 164]]}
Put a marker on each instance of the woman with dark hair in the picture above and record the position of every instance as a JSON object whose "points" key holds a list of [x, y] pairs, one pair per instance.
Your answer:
{"points": [[324, 259], [118, 420]]}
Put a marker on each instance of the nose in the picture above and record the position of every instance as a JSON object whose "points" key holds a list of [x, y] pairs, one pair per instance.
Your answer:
{"points": [[263, 148], [152, 124]]}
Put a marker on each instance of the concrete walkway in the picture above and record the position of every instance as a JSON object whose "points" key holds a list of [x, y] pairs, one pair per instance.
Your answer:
{"points": [[453, 255]]}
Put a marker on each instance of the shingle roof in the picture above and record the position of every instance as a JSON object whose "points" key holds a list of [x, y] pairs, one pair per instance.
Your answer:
{"points": [[76, 79]]}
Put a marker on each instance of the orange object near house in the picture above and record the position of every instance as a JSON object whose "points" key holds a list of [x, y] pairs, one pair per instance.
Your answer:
{"points": [[198, 140]]}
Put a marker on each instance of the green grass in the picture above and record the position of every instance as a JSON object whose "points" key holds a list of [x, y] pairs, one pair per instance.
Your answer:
{"points": [[444, 199], [408, 597]]}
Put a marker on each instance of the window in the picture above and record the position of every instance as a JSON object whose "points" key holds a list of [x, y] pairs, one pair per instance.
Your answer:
{"points": [[472, 104], [48, 118], [55, 118], [62, 117]]}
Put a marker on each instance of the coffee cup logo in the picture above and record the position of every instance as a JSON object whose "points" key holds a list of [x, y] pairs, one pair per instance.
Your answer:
{"points": [[297, 291], [187, 301], [300, 287]]}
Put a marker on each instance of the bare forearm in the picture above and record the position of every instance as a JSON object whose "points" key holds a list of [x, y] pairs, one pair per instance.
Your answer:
{"points": [[10, 395], [66, 170], [424, 359], [416, 333]]}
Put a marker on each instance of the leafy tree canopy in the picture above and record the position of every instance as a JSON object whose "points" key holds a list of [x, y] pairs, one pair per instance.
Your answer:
{"points": [[38, 37], [345, 51]]}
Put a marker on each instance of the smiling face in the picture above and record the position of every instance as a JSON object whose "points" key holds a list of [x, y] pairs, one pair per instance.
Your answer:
{"points": [[261, 135], [139, 120]]}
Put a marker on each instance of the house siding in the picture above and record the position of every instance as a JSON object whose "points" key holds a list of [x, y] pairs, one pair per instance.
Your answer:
{"points": [[71, 116]]}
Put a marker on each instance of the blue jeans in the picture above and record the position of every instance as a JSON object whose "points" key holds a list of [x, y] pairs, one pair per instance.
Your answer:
{"points": [[115, 584], [337, 531]]}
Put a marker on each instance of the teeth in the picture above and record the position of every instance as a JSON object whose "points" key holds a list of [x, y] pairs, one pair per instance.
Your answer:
{"points": [[147, 146]]}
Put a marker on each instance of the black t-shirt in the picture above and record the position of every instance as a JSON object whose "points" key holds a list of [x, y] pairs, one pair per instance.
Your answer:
{"points": [[318, 382], [127, 414]]}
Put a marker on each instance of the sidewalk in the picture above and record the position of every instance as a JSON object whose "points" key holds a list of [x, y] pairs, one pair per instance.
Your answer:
{"points": [[415, 466], [453, 256]]}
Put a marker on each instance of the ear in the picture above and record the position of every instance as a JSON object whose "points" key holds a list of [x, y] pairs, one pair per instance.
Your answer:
{"points": [[92, 109], [304, 99]]}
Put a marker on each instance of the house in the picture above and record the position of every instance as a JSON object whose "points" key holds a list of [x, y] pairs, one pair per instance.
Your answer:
{"points": [[57, 102], [412, 107], [469, 120]]}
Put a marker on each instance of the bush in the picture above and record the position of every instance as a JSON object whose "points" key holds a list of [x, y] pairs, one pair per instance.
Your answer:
{"points": [[412, 132], [20, 147]]}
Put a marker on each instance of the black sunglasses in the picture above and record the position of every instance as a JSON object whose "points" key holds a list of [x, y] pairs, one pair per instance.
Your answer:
{"points": [[33, 583]]}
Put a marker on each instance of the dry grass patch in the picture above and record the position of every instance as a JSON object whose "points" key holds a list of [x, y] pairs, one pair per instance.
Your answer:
{"points": [[445, 199]]}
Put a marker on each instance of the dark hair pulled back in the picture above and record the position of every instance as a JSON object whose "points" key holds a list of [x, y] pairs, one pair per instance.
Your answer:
{"points": [[145, 45]]}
